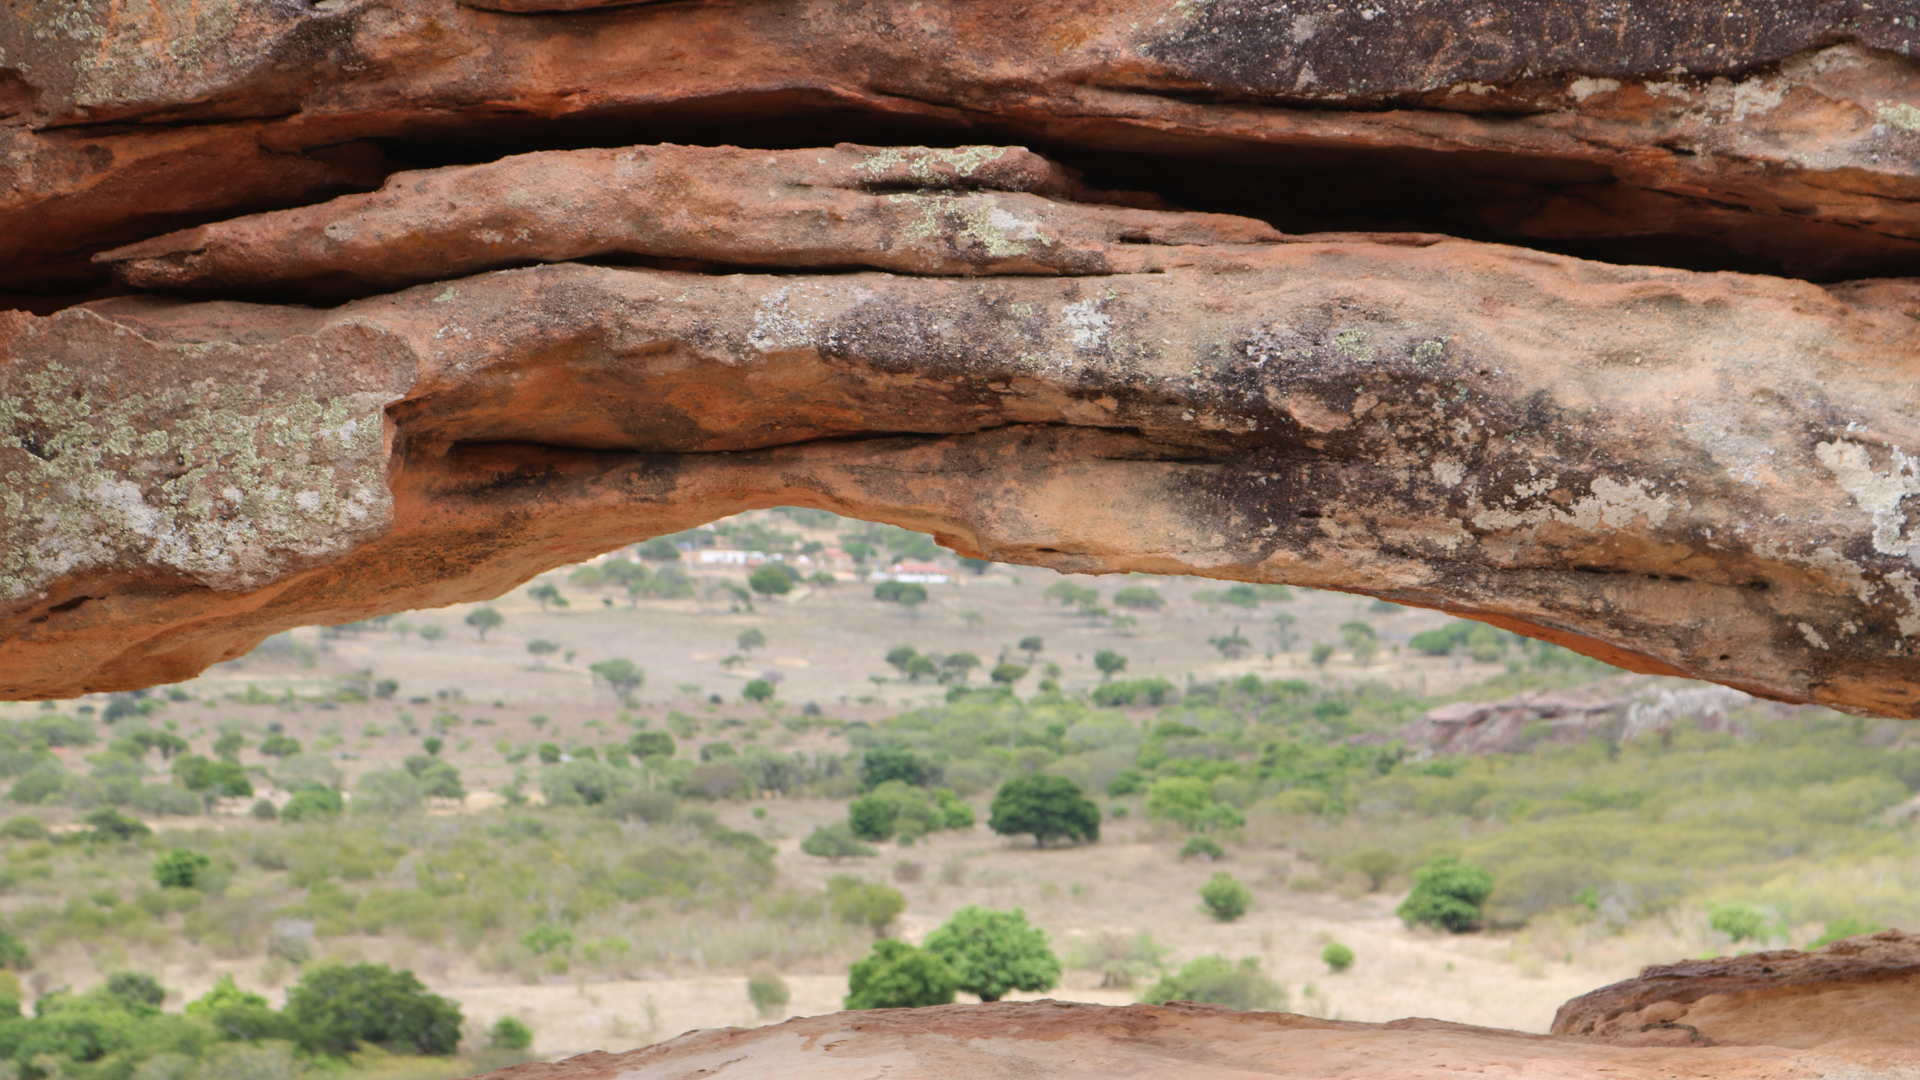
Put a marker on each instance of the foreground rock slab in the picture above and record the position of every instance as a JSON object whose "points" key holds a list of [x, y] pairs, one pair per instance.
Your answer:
{"points": [[1195, 1042], [1701, 474]]}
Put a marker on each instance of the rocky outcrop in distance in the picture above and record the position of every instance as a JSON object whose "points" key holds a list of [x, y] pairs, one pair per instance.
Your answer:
{"points": [[1592, 323]]}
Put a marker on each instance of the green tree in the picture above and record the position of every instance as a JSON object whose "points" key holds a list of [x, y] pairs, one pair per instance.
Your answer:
{"points": [[1739, 922], [1322, 652], [920, 667], [1225, 898], [882, 764], [872, 817], [227, 747], [279, 746], [651, 744], [432, 632], [387, 791], [540, 649], [219, 779], [621, 675], [311, 803], [1446, 893], [771, 579], [1845, 928], [750, 639], [484, 619], [1216, 980], [1337, 957], [1032, 645], [898, 976], [758, 690], [834, 842], [955, 667], [865, 903], [1045, 807], [1139, 598], [546, 594], [1110, 663], [509, 1033], [1232, 646], [1182, 799], [660, 549], [239, 1015], [900, 656], [110, 823], [181, 869], [340, 1008], [1008, 674], [992, 952]]}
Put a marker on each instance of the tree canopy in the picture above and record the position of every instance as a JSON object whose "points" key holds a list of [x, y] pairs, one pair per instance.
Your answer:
{"points": [[898, 976], [1045, 807], [992, 952], [1447, 893]]}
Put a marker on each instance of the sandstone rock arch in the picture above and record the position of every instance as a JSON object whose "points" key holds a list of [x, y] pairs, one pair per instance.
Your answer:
{"points": [[1597, 324]]}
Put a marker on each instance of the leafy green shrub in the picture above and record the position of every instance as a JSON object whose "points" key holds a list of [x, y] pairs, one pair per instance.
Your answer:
{"points": [[1375, 864], [1337, 957], [1044, 807], [898, 976], [1739, 922], [13, 952], [882, 764], [340, 1008], [280, 746], [864, 903], [547, 938], [1225, 898], [181, 869], [223, 779], [312, 803], [1139, 598], [23, 827], [509, 1033], [239, 1015], [387, 791], [157, 799], [1202, 846], [37, 786], [769, 994], [1215, 980], [639, 804], [1127, 782], [651, 744], [1845, 928], [835, 842], [992, 952], [583, 783], [1154, 691], [111, 824], [758, 690], [1447, 893]]}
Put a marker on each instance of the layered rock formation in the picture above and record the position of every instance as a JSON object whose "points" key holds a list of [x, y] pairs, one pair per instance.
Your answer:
{"points": [[1243, 317], [1857, 990]]}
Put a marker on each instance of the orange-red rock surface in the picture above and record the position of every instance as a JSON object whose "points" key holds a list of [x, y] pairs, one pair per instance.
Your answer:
{"points": [[322, 310], [1681, 472]]}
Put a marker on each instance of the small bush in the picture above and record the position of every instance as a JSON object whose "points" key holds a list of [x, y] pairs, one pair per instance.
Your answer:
{"points": [[835, 842], [509, 1033], [769, 994], [898, 976], [1215, 980], [1845, 928], [1337, 957], [1739, 922], [24, 827], [1225, 898], [181, 869], [312, 803], [339, 1009], [862, 903], [1202, 847], [1447, 893]]}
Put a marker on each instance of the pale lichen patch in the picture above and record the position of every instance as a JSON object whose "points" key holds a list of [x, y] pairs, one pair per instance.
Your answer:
{"points": [[1878, 493], [226, 485]]}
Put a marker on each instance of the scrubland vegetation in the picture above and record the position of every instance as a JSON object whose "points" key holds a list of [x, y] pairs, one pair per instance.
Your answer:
{"points": [[167, 833]]}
